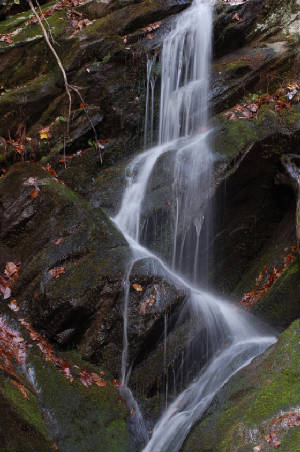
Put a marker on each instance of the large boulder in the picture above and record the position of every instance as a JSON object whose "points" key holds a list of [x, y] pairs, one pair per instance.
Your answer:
{"points": [[72, 257], [74, 264]]}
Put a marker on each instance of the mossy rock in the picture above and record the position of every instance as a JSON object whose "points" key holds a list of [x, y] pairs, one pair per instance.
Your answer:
{"points": [[22, 425], [242, 413], [91, 251], [280, 305], [80, 418], [58, 411], [232, 137]]}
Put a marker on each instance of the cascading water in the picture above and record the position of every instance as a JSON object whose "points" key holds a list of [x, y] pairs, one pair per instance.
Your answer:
{"points": [[150, 95], [231, 341]]}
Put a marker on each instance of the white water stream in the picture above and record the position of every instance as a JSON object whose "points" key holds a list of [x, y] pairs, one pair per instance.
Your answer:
{"points": [[232, 339]]}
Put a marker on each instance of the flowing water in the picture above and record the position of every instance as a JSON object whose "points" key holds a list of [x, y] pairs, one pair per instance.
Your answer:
{"points": [[231, 339]]}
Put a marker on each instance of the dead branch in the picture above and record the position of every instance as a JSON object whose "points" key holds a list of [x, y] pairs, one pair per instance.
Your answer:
{"points": [[68, 87]]}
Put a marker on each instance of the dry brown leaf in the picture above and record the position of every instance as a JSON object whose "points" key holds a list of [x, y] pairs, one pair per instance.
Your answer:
{"points": [[55, 272], [137, 287], [13, 305], [34, 193], [100, 383], [257, 448]]}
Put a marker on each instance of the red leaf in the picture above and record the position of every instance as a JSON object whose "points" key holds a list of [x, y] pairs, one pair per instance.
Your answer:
{"points": [[13, 305], [55, 272], [34, 193], [21, 388]]}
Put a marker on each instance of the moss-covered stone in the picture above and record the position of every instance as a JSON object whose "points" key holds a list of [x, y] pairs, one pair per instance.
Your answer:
{"points": [[242, 413], [81, 418], [22, 424], [234, 136], [280, 305], [92, 252], [58, 410]]}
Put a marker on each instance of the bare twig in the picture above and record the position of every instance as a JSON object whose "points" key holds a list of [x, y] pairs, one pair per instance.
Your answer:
{"points": [[45, 19], [76, 90], [57, 59], [68, 87]]}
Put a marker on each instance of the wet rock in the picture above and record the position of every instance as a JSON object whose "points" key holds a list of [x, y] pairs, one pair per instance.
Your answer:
{"points": [[280, 305], [58, 230], [247, 407], [233, 24], [249, 69], [109, 74], [263, 223], [48, 418], [152, 296]]}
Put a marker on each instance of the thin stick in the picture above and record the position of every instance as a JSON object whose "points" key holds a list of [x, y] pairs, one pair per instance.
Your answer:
{"points": [[68, 87], [57, 59], [45, 19], [74, 88]]}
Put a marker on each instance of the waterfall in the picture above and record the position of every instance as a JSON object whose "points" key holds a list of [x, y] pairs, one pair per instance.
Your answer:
{"points": [[231, 339], [150, 95]]}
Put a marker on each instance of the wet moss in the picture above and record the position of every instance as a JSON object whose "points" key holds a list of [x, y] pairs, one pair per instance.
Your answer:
{"points": [[81, 418], [290, 441], [232, 137], [241, 414], [280, 305], [28, 410]]}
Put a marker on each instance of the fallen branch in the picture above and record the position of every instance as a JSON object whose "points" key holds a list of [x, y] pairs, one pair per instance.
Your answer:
{"points": [[68, 87]]}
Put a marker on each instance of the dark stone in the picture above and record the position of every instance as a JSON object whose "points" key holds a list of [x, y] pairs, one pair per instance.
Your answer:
{"points": [[92, 252], [156, 296]]}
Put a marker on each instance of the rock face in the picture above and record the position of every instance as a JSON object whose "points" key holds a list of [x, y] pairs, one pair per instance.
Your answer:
{"points": [[109, 72], [75, 264], [151, 295], [252, 404], [41, 401], [57, 230]]}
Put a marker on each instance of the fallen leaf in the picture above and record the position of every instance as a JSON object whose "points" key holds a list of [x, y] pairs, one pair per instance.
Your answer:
{"points": [[13, 305], [231, 116], [30, 181], [44, 136], [55, 272], [58, 241], [11, 268], [137, 287], [100, 383], [21, 388], [34, 193], [6, 292], [257, 448]]}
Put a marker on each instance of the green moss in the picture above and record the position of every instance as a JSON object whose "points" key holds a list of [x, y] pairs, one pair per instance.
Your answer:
{"points": [[28, 410], [280, 305], [33, 30], [241, 414], [56, 23], [232, 137], [90, 418], [230, 67], [290, 441]]}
